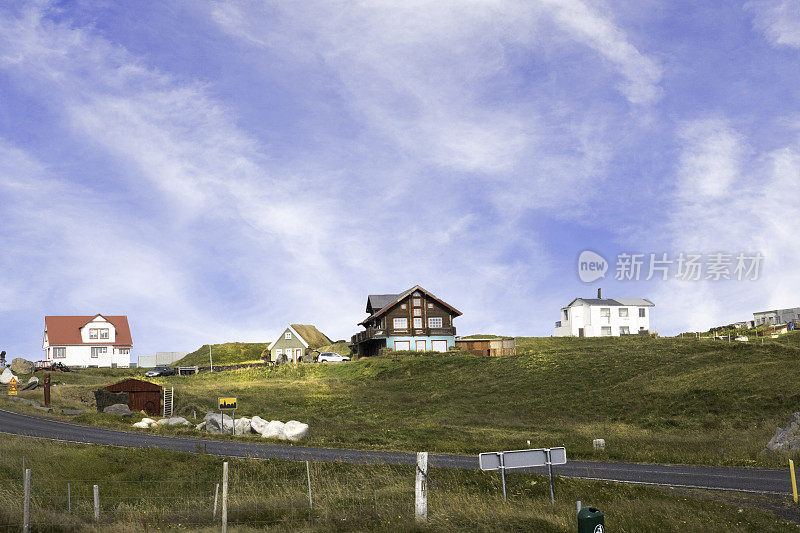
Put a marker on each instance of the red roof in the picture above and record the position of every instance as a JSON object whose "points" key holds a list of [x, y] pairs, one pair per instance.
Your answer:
{"points": [[66, 330]]}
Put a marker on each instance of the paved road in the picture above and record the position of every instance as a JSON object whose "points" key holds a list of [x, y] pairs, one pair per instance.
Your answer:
{"points": [[720, 478]]}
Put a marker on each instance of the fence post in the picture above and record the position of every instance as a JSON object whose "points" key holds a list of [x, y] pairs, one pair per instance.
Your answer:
{"points": [[26, 506], [225, 497], [421, 488], [308, 475], [69, 499], [96, 502], [216, 497]]}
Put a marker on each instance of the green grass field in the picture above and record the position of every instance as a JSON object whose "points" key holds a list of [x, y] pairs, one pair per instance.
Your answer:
{"points": [[144, 489], [653, 400]]}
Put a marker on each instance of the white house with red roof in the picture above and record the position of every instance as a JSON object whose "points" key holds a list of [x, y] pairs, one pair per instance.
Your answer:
{"points": [[99, 340]]}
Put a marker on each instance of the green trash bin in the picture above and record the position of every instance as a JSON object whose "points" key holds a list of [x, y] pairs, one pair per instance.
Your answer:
{"points": [[590, 520]]}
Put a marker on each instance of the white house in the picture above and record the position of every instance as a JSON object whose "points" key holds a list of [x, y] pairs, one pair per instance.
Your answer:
{"points": [[604, 317], [88, 340]]}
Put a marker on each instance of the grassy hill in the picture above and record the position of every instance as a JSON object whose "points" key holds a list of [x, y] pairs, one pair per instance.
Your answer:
{"points": [[653, 400], [228, 353]]}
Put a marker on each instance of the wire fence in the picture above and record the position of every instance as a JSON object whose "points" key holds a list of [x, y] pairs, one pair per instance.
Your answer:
{"points": [[331, 501]]}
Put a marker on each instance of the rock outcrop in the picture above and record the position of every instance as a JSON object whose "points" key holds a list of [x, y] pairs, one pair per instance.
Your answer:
{"points": [[22, 366], [787, 440], [119, 409]]}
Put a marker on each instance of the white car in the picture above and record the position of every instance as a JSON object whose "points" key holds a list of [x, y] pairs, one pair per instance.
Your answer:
{"points": [[330, 357]]}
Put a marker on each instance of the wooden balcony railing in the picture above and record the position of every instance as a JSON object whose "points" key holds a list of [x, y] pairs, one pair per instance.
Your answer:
{"points": [[378, 333]]}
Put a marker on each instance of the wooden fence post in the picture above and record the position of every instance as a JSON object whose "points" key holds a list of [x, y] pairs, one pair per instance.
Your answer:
{"points": [[26, 506], [225, 497], [216, 498], [421, 488], [96, 502]]}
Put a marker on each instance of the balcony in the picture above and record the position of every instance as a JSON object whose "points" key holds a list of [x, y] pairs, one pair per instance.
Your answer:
{"points": [[377, 333]]}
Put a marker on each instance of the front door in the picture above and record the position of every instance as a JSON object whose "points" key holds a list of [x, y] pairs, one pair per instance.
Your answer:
{"points": [[580, 332], [421, 346], [298, 352]]}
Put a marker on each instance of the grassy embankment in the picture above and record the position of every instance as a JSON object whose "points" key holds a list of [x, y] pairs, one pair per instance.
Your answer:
{"points": [[158, 489], [653, 400]]}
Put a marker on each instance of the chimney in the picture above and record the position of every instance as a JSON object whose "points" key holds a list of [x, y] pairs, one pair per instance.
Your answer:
{"points": [[598, 294]]}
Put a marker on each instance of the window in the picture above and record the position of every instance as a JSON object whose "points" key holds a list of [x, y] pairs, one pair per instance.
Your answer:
{"points": [[59, 353], [125, 351], [417, 312], [605, 331], [279, 351], [92, 333], [566, 314], [623, 312], [104, 333], [418, 322], [417, 302], [605, 312], [403, 306], [400, 323], [97, 350], [624, 330], [641, 312], [435, 322], [287, 335], [430, 306]]}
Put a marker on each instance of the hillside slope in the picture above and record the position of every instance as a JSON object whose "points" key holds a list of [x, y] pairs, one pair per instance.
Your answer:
{"points": [[672, 400], [228, 353]]}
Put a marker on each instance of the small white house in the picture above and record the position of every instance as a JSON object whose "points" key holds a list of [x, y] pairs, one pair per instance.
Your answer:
{"points": [[604, 317], [102, 341]]}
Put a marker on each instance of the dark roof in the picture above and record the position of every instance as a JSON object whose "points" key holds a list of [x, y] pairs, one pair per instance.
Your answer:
{"points": [[626, 302], [397, 297], [133, 385], [67, 329], [376, 302]]}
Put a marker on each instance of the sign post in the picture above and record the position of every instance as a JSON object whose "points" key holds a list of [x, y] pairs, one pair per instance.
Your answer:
{"points": [[12, 387], [794, 481], [524, 459], [227, 404], [47, 390]]}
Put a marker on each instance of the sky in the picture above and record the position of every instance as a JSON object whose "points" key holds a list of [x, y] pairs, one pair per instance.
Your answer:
{"points": [[217, 170]]}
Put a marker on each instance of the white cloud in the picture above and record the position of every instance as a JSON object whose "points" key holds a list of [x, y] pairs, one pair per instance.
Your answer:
{"points": [[779, 20]]}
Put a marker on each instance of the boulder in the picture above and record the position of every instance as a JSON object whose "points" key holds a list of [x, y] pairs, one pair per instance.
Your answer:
{"points": [[22, 366], [141, 425], [104, 398], [599, 444], [148, 421], [274, 430], [5, 377], [242, 426], [787, 440], [72, 411], [32, 384], [178, 421], [258, 425], [295, 431], [119, 409], [200, 426], [162, 422], [216, 423]]}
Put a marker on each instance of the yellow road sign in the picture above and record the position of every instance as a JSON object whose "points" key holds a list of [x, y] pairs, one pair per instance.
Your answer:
{"points": [[794, 482], [13, 382], [12, 390], [227, 403]]}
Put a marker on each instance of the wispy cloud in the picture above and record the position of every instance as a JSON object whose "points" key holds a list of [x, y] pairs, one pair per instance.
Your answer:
{"points": [[779, 20]]}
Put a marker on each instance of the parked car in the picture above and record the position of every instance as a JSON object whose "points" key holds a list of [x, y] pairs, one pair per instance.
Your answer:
{"points": [[331, 357], [160, 370]]}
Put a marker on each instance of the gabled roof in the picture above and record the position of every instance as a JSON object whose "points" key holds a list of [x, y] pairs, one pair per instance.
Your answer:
{"points": [[66, 330], [133, 385], [389, 300], [376, 302], [619, 302], [309, 336]]}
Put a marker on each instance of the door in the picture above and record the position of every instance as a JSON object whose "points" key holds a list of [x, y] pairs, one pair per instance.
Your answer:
{"points": [[580, 332], [298, 352], [421, 346], [402, 345], [439, 346]]}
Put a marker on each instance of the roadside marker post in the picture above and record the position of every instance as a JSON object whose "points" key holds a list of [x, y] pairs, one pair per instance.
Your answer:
{"points": [[794, 480], [524, 459]]}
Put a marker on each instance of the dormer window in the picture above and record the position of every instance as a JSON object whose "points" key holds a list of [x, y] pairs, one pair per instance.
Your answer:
{"points": [[104, 333], [93, 333]]}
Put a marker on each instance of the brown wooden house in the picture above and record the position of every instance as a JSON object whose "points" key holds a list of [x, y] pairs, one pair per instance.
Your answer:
{"points": [[143, 395], [411, 320]]}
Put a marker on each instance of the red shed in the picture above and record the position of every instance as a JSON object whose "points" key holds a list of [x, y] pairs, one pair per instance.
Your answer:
{"points": [[144, 396]]}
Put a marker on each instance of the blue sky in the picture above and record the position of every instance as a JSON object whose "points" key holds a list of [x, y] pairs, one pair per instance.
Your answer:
{"points": [[217, 170]]}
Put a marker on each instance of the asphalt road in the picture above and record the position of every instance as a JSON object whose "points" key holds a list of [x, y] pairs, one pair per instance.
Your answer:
{"points": [[718, 478]]}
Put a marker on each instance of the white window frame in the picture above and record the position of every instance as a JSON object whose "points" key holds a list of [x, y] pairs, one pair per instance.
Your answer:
{"points": [[603, 330], [418, 322], [417, 302], [623, 312], [287, 335], [97, 350], [104, 333], [624, 330], [400, 323], [59, 350], [642, 313], [434, 320], [417, 311], [125, 351], [93, 333], [605, 312]]}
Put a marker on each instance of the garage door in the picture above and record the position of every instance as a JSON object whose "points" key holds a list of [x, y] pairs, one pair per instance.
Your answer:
{"points": [[439, 346], [402, 345]]}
